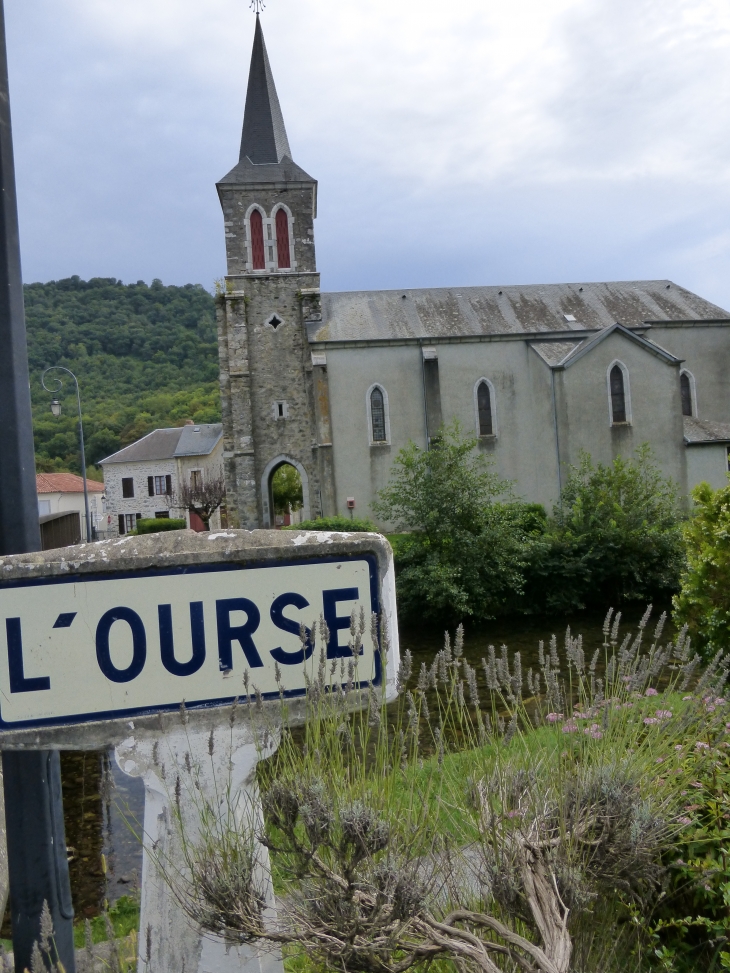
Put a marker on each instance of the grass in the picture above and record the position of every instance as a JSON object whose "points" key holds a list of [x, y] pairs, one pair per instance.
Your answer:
{"points": [[123, 915]]}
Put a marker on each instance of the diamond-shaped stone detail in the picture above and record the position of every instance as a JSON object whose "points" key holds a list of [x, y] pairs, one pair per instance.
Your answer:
{"points": [[274, 321]]}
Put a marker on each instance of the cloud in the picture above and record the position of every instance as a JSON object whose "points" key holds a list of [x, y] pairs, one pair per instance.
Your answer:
{"points": [[535, 140]]}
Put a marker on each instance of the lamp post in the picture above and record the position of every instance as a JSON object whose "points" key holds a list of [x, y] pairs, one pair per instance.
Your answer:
{"points": [[56, 410]]}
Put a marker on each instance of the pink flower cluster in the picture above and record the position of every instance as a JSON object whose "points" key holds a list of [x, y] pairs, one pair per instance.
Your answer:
{"points": [[684, 820], [554, 717], [570, 727], [700, 745], [593, 731], [651, 692], [664, 714]]}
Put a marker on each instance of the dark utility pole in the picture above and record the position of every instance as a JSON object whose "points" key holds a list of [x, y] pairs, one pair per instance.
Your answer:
{"points": [[32, 780]]}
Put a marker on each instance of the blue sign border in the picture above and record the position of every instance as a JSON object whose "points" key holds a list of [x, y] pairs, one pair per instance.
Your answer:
{"points": [[108, 715]]}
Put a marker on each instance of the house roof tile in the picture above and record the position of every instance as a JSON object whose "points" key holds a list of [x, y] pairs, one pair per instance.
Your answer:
{"points": [[65, 483]]}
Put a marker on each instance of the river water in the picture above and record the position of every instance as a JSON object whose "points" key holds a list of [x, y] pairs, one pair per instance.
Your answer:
{"points": [[103, 807]]}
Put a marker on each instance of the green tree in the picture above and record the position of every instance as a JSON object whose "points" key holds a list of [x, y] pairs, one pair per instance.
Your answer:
{"points": [[286, 486], [703, 601], [465, 555], [616, 534], [145, 357]]}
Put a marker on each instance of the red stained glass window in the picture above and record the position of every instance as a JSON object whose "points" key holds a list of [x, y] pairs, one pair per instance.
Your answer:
{"points": [[257, 241], [282, 240]]}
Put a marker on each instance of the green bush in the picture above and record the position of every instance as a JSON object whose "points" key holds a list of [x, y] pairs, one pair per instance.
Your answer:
{"points": [[475, 552], [703, 602], [339, 524], [615, 536], [692, 926], [467, 551], [157, 525], [286, 488]]}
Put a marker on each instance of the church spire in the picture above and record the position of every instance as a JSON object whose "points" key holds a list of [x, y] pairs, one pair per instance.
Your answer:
{"points": [[264, 135]]}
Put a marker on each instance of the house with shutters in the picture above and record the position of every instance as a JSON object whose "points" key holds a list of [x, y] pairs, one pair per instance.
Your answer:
{"points": [[335, 384], [144, 480]]}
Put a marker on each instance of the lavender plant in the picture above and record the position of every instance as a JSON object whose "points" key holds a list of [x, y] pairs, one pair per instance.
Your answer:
{"points": [[495, 818]]}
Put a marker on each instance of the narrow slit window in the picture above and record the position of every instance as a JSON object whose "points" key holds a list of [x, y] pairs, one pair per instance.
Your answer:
{"points": [[618, 395], [258, 255], [484, 406], [377, 415], [686, 394], [282, 240]]}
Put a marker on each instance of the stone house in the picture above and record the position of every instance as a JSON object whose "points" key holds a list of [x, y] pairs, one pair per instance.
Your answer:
{"points": [[144, 480], [63, 493], [336, 384]]}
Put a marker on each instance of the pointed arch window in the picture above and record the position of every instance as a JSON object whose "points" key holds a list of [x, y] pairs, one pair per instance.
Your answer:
{"points": [[282, 240], [258, 256], [484, 410], [377, 416], [618, 394], [686, 385]]}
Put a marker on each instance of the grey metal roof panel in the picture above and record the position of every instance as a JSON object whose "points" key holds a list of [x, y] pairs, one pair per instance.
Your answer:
{"points": [[199, 440], [529, 309], [705, 431], [159, 444]]}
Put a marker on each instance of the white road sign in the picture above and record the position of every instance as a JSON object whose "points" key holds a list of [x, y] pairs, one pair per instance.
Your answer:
{"points": [[98, 647]]}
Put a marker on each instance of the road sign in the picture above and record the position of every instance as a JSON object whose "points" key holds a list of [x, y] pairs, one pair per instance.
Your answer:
{"points": [[103, 646], [98, 641]]}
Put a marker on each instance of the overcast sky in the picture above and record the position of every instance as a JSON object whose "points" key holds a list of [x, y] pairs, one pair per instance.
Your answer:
{"points": [[475, 142]]}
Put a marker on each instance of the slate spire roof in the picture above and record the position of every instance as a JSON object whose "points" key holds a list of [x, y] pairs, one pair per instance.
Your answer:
{"points": [[264, 137]]}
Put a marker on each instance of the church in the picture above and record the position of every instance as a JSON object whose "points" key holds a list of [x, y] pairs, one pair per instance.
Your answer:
{"points": [[335, 384]]}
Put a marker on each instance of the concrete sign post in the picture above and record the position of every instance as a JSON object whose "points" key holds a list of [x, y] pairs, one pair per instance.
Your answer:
{"points": [[100, 644]]}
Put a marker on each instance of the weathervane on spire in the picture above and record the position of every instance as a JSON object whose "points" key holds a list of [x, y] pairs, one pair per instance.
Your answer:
{"points": [[257, 6]]}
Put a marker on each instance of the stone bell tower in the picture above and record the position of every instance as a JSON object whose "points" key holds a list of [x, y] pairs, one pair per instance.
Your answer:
{"points": [[271, 292]]}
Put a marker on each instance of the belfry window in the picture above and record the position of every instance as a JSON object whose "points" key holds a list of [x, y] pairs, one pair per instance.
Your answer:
{"points": [[377, 416], [258, 256], [685, 385], [484, 408], [282, 240], [618, 395]]}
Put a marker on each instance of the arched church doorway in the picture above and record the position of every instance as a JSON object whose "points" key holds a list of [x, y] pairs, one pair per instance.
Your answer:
{"points": [[286, 496], [285, 493]]}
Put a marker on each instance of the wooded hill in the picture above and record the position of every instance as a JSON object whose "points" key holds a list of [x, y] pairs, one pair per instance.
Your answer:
{"points": [[145, 357]]}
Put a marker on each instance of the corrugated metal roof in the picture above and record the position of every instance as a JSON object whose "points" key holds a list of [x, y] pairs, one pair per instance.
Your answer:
{"points": [[705, 431], [65, 483], [530, 309]]}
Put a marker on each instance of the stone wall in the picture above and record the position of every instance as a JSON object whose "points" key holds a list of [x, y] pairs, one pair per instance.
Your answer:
{"points": [[267, 391]]}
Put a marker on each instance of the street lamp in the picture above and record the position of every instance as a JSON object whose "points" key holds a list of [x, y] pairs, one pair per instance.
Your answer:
{"points": [[56, 410]]}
